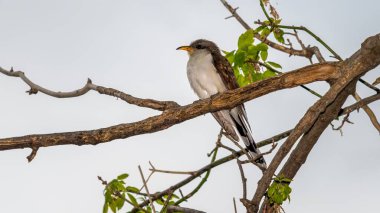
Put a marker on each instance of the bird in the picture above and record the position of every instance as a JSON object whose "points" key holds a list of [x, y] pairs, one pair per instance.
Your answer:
{"points": [[210, 73]]}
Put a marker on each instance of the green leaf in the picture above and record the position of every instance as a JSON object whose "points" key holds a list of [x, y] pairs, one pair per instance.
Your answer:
{"points": [[264, 55], [119, 203], [132, 199], [120, 186], [132, 189], [257, 77], [257, 30], [160, 202], [240, 58], [230, 56], [105, 207], [268, 74], [242, 81], [174, 196], [279, 35], [122, 176], [274, 64], [262, 47], [108, 196], [247, 68], [112, 205], [265, 32], [245, 39]]}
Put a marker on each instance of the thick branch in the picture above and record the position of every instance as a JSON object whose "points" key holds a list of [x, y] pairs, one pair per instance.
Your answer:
{"points": [[170, 117], [367, 58]]}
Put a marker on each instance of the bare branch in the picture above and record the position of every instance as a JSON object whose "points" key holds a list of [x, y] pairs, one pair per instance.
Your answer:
{"points": [[359, 104], [149, 103], [369, 112]]}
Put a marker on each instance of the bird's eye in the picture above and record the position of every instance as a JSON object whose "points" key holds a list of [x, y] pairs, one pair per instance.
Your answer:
{"points": [[198, 46]]}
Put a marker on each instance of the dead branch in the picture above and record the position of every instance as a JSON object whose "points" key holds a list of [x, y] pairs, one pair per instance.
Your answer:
{"points": [[35, 88], [369, 112]]}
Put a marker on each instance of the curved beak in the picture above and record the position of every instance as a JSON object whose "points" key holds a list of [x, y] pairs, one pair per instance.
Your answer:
{"points": [[186, 48]]}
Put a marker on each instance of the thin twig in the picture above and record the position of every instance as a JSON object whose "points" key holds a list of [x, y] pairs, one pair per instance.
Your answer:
{"points": [[377, 90], [243, 179], [32, 154], [369, 112], [146, 189], [339, 128], [153, 169], [235, 209]]}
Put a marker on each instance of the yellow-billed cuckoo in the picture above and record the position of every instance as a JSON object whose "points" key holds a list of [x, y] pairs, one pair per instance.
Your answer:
{"points": [[210, 73]]}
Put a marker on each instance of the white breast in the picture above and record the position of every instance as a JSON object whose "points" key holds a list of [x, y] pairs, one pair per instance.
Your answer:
{"points": [[203, 76]]}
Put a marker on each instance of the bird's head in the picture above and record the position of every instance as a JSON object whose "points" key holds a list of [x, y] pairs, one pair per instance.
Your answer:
{"points": [[200, 45]]}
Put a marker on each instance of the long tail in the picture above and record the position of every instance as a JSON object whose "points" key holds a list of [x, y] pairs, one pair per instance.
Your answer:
{"points": [[244, 130]]}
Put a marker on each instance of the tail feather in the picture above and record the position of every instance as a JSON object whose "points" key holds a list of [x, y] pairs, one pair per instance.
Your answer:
{"points": [[244, 130]]}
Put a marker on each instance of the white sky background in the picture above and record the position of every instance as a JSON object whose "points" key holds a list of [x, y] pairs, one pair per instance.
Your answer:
{"points": [[130, 45]]}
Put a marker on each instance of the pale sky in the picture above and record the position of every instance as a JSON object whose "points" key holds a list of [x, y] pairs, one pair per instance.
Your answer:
{"points": [[130, 46]]}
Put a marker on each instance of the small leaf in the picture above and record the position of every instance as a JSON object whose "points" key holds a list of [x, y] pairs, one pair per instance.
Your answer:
{"points": [[119, 203], [120, 186], [108, 196], [279, 35], [265, 32], [112, 205], [105, 207], [160, 202], [122, 176], [273, 64], [268, 74], [230, 56], [174, 196], [257, 77], [132, 189], [257, 30], [240, 58], [245, 39], [132, 199], [262, 47], [264, 55]]}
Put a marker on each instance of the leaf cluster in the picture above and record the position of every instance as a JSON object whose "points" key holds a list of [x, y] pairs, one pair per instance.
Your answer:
{"points": [[117, 193], [279, 191], [248, 58]]}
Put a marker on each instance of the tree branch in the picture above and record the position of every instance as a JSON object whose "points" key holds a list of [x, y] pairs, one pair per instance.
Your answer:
{"points": [[172, 116], [335, 97], [35, 88]]}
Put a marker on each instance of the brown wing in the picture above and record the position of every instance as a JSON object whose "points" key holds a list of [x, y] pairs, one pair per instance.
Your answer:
{"points": [[225, 71]]}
